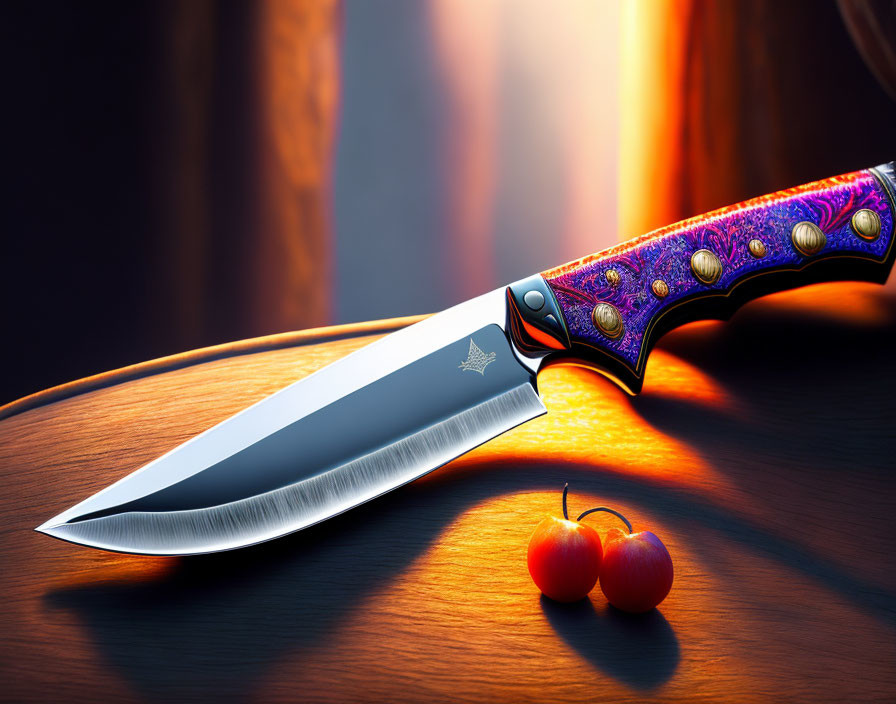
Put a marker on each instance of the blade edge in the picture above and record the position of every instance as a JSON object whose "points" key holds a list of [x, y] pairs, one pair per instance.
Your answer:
{"points": [[301, 505]]}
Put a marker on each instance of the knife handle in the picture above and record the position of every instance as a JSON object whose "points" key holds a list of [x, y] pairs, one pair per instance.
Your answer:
{"points": [[615, 304]]}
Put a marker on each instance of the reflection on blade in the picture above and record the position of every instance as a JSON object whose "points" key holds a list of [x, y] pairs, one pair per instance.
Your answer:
{"points": [[362, 426], [300, 505]]}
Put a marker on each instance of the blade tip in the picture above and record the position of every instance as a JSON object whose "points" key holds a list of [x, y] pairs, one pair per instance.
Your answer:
{"points": [[47, 527], [59, 530], [67, 532], [53, 527]]}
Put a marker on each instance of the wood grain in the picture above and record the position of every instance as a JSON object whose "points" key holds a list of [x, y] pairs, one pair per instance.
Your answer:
{"points": [[768, 475]]}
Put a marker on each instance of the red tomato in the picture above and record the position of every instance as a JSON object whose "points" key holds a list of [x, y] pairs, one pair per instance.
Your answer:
{"points": [[637, 570], [564, 558]]}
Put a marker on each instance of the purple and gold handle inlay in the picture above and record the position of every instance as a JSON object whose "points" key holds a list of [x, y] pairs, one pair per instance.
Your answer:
{"points": [[615, 304]]}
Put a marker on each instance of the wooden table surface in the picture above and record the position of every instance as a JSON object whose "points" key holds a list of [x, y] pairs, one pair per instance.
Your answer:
{"points": [[761, 451]]}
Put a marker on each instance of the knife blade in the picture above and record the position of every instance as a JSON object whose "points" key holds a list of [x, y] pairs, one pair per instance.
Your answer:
{"points": [[416, 399]]}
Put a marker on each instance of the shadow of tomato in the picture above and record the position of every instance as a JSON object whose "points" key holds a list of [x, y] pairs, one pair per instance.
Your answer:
{"points": [[639, 650]]}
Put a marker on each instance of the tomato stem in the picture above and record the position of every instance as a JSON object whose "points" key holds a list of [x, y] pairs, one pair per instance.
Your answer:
{"points": [[565, 492], [595, 510]]}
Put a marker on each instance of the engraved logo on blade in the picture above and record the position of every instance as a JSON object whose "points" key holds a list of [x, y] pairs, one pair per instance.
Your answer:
{"points": [[477, 360]]}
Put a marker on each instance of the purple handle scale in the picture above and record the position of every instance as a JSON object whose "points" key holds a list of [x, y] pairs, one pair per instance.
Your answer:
{"points": [[799, 236]]}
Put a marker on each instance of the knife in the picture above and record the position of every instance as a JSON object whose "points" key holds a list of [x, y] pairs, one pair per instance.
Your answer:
{"points": [[416, 399]]}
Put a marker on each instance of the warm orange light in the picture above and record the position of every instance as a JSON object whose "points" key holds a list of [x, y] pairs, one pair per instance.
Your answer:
{"points": [[115, 569], [674, 378], [651, 70], [485, 633], [591, 423], [680, 135]]}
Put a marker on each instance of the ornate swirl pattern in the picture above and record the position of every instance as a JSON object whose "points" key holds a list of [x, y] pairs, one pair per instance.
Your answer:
{"points": [[749, 239]]}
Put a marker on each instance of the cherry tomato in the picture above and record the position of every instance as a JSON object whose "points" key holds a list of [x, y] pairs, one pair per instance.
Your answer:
{"points": [[564, 557], [637, 570]]}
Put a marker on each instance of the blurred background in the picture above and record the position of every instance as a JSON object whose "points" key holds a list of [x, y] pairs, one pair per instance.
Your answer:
{"points": [[181, 174]]}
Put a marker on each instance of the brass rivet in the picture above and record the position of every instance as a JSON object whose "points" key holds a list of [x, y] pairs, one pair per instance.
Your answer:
{"points": [[608, 320], [866, 223], [757, 248], [613, 277], [706, 266], [808, 238], [660, 288]]}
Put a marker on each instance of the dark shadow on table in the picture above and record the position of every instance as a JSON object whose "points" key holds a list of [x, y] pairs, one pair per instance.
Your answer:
{"points": [[640, 650]]}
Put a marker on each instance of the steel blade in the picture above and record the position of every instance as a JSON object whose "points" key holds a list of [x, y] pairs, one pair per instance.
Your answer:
{"points": [[360, 427]]}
